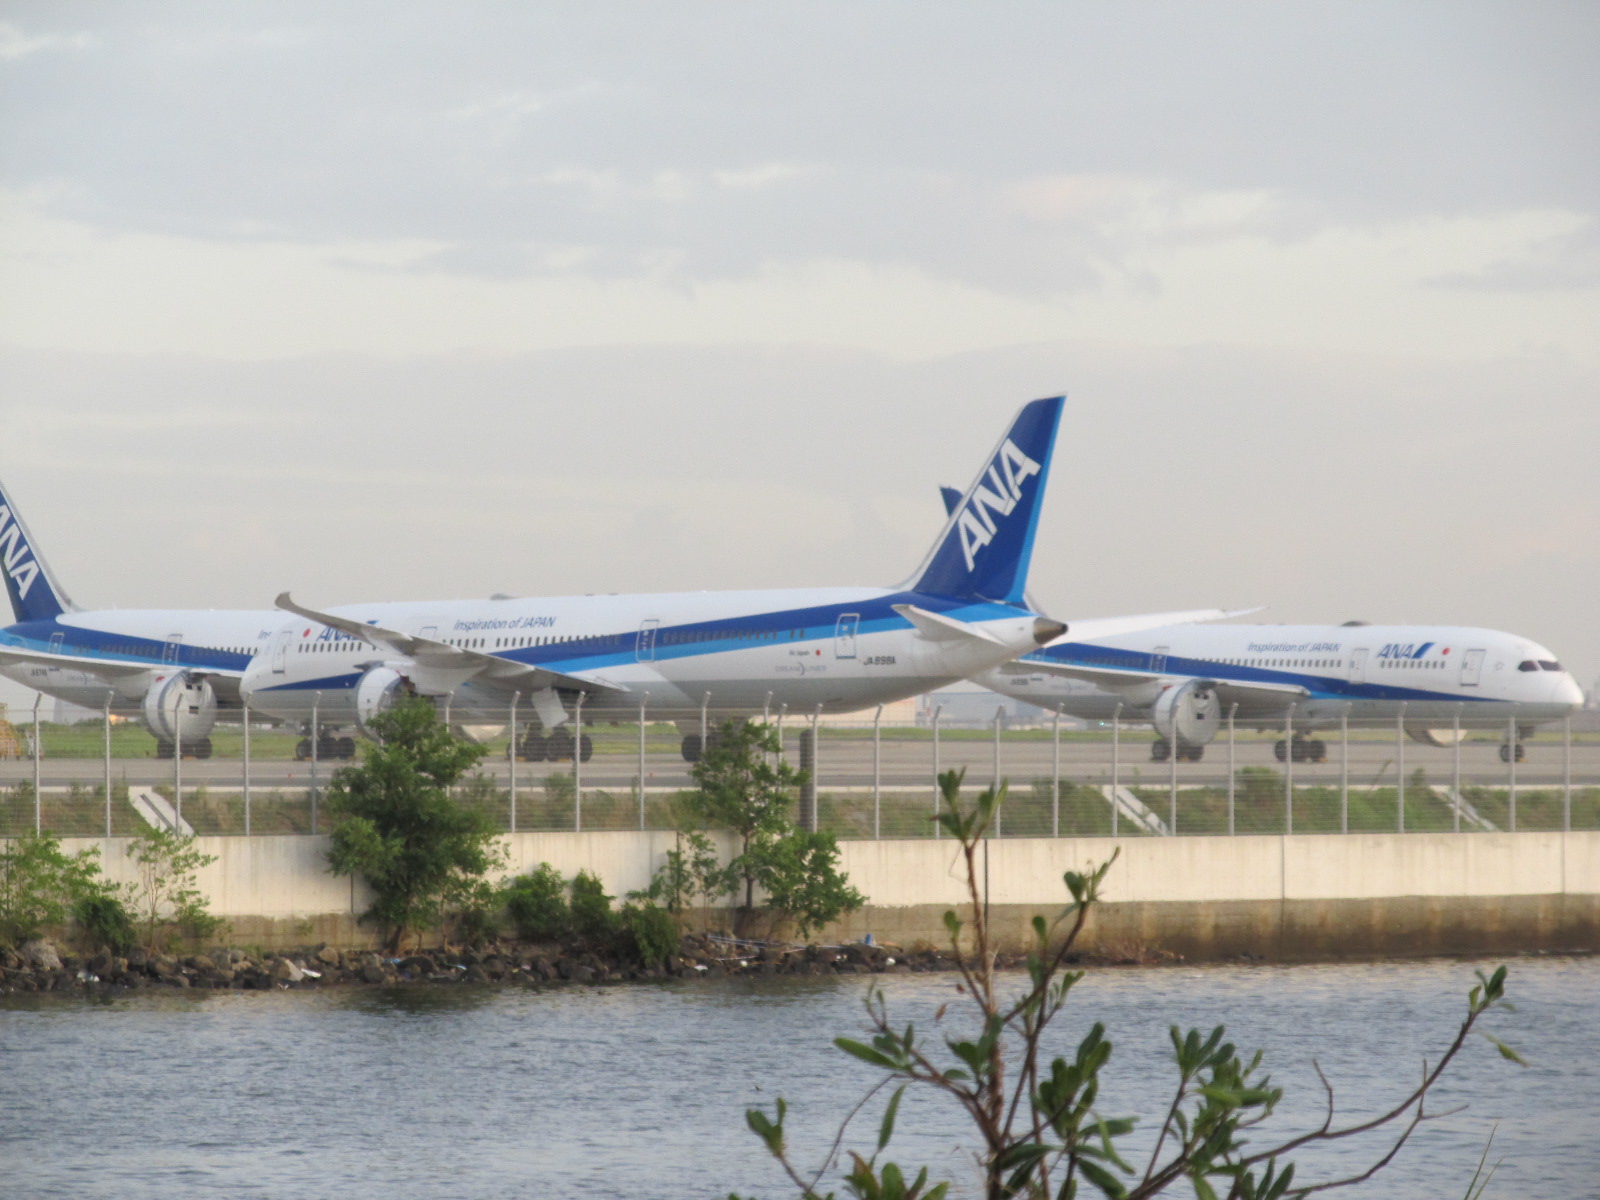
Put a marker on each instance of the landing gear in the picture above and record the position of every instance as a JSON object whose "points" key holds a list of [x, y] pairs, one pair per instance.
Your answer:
{"points": [[329, 749], [195, 748], [1304, 749], [1505, 752], [1161, 751], [691, 747], [559, 745], [533, 747]]}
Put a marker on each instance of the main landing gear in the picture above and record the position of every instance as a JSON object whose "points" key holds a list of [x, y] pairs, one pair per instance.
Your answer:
{"points": [[329, 748], [691, 747], [556, 746], [1161, 751], [192, 748], [1303, 749]]}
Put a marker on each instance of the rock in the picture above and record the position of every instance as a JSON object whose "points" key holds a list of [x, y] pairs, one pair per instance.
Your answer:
{"points": [[418, 966], [580, 973], [476, 974], [41, 955], [372, 970], [285, 971], [328, 956], [162, 967]]}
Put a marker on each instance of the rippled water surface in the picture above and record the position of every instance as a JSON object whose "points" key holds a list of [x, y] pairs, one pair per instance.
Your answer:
{"points": [[640, 1090]]}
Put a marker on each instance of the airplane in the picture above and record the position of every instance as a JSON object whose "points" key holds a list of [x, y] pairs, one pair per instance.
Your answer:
{"points": [[172, 670]]}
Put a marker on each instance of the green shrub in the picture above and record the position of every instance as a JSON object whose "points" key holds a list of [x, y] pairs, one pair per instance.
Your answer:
{"points": [[39, 884], [592, 918], [537, 905], [650, 933], [106, 922]]}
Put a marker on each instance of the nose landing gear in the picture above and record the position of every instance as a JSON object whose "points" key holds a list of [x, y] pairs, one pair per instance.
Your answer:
{"points": [[1505, 752]]}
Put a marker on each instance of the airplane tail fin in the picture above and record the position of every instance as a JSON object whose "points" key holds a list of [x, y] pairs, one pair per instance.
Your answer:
{"points": [[987, 543], [34, 593]]}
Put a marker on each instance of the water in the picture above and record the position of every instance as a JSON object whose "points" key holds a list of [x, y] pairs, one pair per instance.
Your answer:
{"points": [[641, 1090]]}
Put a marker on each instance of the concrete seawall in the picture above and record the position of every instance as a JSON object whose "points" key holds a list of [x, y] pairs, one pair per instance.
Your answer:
{"points": [[1298, 897]]}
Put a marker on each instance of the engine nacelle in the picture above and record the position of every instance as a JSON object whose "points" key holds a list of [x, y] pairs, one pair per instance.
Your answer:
{"points": [[379, 688], [175, 704], [1191, 711]]}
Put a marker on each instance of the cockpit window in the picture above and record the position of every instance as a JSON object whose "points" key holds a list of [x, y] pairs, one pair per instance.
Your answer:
{"points": [[1527, 664], [1550, 664]]}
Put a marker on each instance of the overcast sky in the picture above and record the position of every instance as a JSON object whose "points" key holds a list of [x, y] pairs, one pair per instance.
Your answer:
{"points": [[386, 301]]}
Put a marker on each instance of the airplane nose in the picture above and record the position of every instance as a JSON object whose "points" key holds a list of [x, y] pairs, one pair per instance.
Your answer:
{"points": [[1569, 693], [1045, 630]]}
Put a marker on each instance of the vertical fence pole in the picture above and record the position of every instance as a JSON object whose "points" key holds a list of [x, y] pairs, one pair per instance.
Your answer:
{"points": [[705, 729], [877, 799], [1055, 775], [999, 815], [511, 763], [782, 708], [1400, 769], [38, 806], [577, 762], [246, 731], [1232, 709], [1344, 769], [937, 709], [766, 717], [1566, 775], [177, 761], [1288, 770], [1172, 780], [816, 768], [316, 749], [1455, 773], [108, 762], [644, 700], [1116, 782], [1511, 773]]}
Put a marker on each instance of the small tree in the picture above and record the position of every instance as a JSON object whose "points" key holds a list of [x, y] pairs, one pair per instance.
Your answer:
{"points": [[800, 874], [167, 897], [1037, 1127], [745, 785], [417, 848], [40, 883]]}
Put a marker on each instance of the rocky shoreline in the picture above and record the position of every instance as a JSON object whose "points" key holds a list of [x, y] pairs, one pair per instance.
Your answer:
{"points": [[39, 967]]}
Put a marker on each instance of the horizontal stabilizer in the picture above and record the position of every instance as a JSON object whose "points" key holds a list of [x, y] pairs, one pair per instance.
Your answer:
{"points": [[942, 629], [105, 668], [1087, 629]]}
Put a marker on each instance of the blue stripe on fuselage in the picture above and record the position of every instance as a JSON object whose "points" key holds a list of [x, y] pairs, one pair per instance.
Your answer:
{"points": [[1084, 654], [102, 645]]}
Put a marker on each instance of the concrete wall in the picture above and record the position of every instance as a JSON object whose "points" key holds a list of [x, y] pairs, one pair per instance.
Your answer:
{"points": [[1276, 897]]}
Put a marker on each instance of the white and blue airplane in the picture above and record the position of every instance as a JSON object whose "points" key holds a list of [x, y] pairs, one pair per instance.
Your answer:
{"points": [[1186, 679], [171, 669], [683, 654]]}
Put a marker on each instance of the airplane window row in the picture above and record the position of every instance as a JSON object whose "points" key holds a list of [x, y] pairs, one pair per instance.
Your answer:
{"points": [[1544, 664], [1413, 663], [1311, 663]]}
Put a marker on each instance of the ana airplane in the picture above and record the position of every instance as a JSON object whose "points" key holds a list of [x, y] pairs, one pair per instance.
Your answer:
{"points": [[1185, 680], [160, 666], [566, 659]]}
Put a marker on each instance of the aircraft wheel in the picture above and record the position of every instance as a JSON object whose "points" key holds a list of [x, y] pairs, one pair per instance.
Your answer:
{"points": [[302, 750], [1160, 750], [558, 746], [1195, 753], [1505, 752], [1280, 750], [1319, 751], [164, 749], [202, 748], [586, 747], [347, 748], [691, 748]]}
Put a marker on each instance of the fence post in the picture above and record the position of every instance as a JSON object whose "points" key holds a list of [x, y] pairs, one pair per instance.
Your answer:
{"points": [[782, 708], [1116, 733], [705, 734], [1511, 776], [1400, 769], [877, 776], [177, 761], [1566, 775], [511, 761], [1172, 772], [107, 731], [577, 762], [1455, 774], [1232, 709], [316, 749], [38, 807], [643, 701], [1055, 775], [1288, 770], [246, 728], [937, 709], [816, 768], [999, 815], [1344, 769]]}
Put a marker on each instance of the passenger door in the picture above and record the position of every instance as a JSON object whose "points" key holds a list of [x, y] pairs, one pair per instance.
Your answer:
{"points": [[1158, 658], [1471, 668], [169, 653], [844, 635], [1358, 665], [647, 640]]}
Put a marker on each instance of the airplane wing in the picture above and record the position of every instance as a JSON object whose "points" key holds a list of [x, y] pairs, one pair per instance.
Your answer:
{"points": [[1228, 690], [430, 653], [106, 668], [1086, 629]]}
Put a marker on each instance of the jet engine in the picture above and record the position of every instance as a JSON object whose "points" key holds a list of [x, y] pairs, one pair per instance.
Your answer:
{"points": [[176, 704], [1190, 714], [379, 688]]}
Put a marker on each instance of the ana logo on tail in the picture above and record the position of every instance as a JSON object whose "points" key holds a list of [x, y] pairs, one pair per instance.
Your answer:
{"points": [[995, 495], [15, 554]]}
